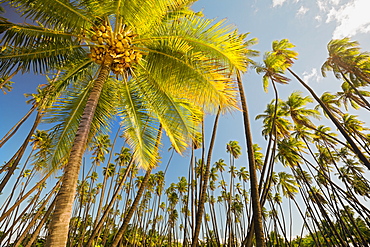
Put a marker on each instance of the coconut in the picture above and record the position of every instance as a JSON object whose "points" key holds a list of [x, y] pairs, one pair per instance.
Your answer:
{"points": [[127, 59]]}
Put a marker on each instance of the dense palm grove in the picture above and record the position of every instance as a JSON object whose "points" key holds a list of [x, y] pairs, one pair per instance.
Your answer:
{"points": [[160, 69]]}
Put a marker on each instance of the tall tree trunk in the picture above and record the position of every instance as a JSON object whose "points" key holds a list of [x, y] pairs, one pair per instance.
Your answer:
{"points": [[256, 206], [15, 128], [132, 209], [138, 196], [354, 147], [99, 225], [64, 201], [12, 164], [202, 198]]}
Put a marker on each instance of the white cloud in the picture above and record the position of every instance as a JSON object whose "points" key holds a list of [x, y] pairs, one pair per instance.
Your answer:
{"points": [[302, 10], [311, 76], [325, 5], [351, 18], [277, 2]]}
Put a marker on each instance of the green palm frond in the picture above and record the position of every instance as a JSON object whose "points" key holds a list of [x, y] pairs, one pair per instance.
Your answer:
{"points": [[216, 39], [4, 24], [140, 129], [55, 13], [195, 73], [67, 112], [72, 73], [26, 35], [135, 13], [41, 58], [281, 48], [179, 119]]}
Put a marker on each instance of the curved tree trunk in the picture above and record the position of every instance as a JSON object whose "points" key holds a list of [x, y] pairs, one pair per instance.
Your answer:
{"points": [[202, 198], [12, 164], [354, 147], [64, 201], [15, 128], [256, 206]]}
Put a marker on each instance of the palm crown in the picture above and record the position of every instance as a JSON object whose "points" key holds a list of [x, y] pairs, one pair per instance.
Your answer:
{"points": [[161, 49], [169, 64]]}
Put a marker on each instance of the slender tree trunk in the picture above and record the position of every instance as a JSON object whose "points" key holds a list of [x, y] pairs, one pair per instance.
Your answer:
{"points": [[202, 198], [132, 209], [64, 201], [356, 90], [14, 129], [256, 206], [14, 161], [354, 147], [136, 201]]}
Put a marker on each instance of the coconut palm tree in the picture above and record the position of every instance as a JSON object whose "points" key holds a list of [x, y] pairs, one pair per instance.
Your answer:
{"points": [[282, 49], [255, 194], [348, 63], [134, 40], [294, 107], [332, 102]]}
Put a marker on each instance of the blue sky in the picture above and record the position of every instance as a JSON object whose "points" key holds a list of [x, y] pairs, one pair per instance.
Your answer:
{"points": [[309, 24]]}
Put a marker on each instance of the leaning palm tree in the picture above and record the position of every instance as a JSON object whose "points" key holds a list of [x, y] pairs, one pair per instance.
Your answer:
{"points": [[160, 53], [348, 63], [282, 49]]}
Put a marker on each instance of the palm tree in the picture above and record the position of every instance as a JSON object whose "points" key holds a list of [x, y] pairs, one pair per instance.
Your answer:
{"points": [[134, 40], [256, 206], [294, 107], [348, 63], [331, 102], [349, 96], [274, 121], [281, 49]]}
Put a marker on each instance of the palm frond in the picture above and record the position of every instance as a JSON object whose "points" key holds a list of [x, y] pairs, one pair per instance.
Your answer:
{"points": [[193, 76], [26, 35], [135, 13], [73, 73], [41, 58], [179, 119], [67, 112], [70, 15], [139, 127], [215, 39]]}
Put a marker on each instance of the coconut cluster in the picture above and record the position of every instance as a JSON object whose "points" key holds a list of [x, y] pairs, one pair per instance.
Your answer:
{"points": [[117, 45]]}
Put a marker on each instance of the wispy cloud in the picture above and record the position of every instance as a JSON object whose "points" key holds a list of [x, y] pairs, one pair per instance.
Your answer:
{"points": [[351, 18], [311, 76], [302, 10], [276, 3]]}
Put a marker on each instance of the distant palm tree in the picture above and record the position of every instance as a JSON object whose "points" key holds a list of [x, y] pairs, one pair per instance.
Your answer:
{"points": [[294, 107], [281, 50], [350, 64]]}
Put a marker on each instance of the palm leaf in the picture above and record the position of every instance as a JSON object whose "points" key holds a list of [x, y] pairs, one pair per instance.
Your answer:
{"points": [[41, 58], [139, 127], [55, 13], [67, 112], [179, 119]]}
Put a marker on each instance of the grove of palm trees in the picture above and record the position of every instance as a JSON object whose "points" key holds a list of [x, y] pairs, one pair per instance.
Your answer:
{"points": [[136, 89]]}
